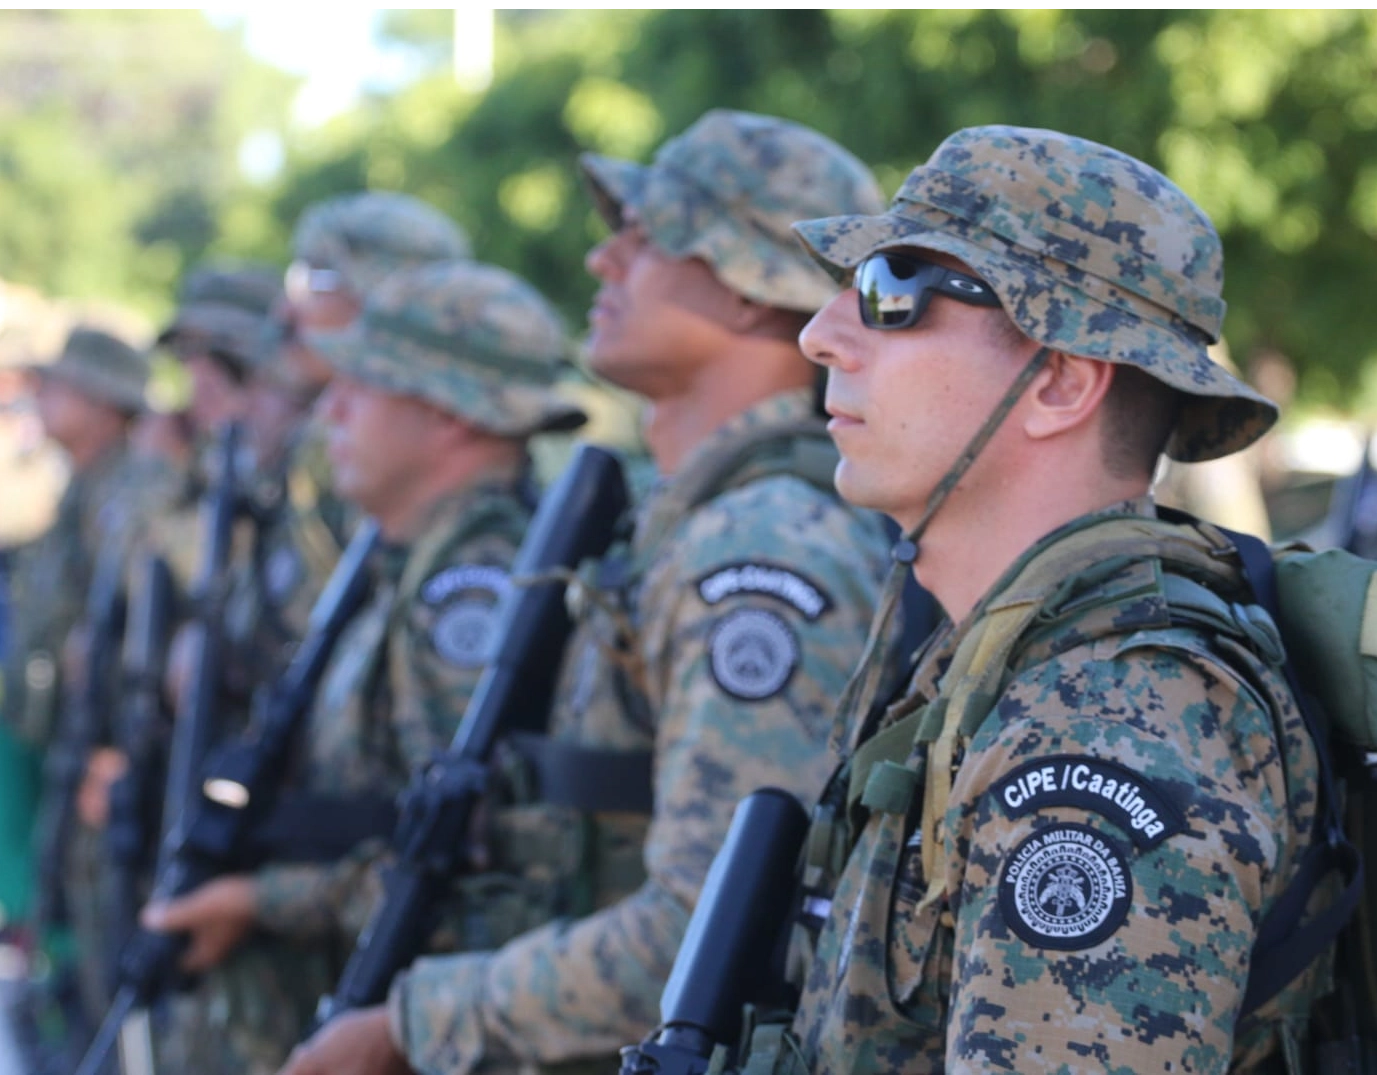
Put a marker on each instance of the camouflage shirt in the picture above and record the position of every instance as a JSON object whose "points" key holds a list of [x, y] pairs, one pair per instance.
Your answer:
{"points": [[301, 529], [104, 505], [1129, 798], [724, 658], [401, 675], [391, 694]]}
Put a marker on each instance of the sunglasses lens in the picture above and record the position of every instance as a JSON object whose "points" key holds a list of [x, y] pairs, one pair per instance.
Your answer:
{"points": [[890, 290]]}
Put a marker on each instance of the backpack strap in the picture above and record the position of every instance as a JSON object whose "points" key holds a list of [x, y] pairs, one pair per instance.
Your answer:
{"points": [[1283, 947]]}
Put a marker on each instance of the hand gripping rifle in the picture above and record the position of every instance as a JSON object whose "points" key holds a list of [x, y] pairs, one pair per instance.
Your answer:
{"points": [[732, 953], [142, 730], [577, 519]]}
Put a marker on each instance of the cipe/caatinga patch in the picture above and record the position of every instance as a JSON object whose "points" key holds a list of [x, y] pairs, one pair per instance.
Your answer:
{"points": [[1112, 790], [1065, 887]]}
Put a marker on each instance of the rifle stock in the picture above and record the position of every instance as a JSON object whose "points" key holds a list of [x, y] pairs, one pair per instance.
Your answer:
{"points": [[577, 519]]}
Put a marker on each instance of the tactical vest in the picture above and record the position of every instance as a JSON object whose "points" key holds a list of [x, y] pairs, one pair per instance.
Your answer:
{"points": [[558, 786], [1108, 577]]}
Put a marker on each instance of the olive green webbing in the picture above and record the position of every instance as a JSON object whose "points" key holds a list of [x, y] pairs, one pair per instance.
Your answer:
{"points": [[860, 691], [985, 655]]}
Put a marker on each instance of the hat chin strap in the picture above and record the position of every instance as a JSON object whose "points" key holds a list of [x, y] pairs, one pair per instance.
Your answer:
{"points": [[860, 691]]}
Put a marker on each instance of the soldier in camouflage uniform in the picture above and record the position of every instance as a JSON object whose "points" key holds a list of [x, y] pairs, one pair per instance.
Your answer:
{"points": [[87, 399], [436, 391], [709, 649], [1052, 850], [343, 248]]}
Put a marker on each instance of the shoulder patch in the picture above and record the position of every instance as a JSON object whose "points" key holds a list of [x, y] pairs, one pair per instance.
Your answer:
{"points": [[453, 581], [1065, 887], [465, 599], [778, 582], [1110, 789], [462, 633], [752, 654]]}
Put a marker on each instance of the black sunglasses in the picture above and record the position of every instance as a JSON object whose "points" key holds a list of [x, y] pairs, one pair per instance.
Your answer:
{"points": [[895, 289]]}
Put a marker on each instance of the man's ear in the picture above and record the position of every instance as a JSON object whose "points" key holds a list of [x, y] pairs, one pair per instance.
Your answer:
{"points": [[1066, 394]]}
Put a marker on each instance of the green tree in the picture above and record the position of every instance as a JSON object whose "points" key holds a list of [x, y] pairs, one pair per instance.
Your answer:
{"points": [[1266, 117], [119, 134]]}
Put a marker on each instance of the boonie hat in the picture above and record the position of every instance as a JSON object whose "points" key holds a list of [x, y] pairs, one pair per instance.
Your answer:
{"points": [[1090, 251]]}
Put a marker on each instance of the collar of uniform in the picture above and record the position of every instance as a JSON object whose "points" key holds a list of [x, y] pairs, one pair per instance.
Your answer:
{"points": [[936, 655], [390, 557], [783, 408]]}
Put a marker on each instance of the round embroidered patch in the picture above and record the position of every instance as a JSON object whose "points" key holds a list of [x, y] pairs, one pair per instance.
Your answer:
{"points": [[462, 634], [752, 654], [1065, 887]]}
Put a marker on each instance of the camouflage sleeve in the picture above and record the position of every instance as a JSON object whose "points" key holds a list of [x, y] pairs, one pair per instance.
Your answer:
{"points": [[437, 653], [754, 621], [1116, 831], [309, 902]]}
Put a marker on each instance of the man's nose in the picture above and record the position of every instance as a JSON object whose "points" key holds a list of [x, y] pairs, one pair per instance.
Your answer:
{"points": [[828, 338]]}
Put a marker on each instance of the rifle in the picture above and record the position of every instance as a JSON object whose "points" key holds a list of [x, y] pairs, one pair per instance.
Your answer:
{"points": [[218, 827], [732, 953], [145, 964], [84, 722], [238, 790], [577, 519], [142, 734]]}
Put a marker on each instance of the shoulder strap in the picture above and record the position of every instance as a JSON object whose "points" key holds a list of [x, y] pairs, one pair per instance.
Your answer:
{"points": [[1284, 948]]}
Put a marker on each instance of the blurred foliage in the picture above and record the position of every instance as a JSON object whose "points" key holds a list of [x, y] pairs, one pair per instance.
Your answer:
{"points": [[119, 136], [1268, 118]]}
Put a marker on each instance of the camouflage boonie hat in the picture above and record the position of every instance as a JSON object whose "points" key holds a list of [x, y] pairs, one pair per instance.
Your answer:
{"points": [[366, 237], [221, 310], [472, 339], [103, 367], [1091, 252], [727, 190]]}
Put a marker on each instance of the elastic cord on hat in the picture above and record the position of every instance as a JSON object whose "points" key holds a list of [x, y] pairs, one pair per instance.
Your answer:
{"points": [[859, 694]]}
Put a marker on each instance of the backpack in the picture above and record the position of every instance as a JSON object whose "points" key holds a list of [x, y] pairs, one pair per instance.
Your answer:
{"points": [[1324, 605]]}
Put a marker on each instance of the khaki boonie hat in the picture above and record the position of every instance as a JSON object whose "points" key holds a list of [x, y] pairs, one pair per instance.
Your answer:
{"points": [[221, 310], [101, 366], [727, 191], [472, 339], [1091, 252], [366, 237]]}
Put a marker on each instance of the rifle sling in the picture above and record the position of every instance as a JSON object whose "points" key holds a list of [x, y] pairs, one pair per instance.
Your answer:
{"points": [[306, 827], [590, 779]]}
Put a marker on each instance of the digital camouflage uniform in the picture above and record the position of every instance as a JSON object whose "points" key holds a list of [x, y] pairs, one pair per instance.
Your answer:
{"points": [[302, 526], [479, 343], [711, 647], [50, 576], [1059, 839], [221, 312], [101, 513]]}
